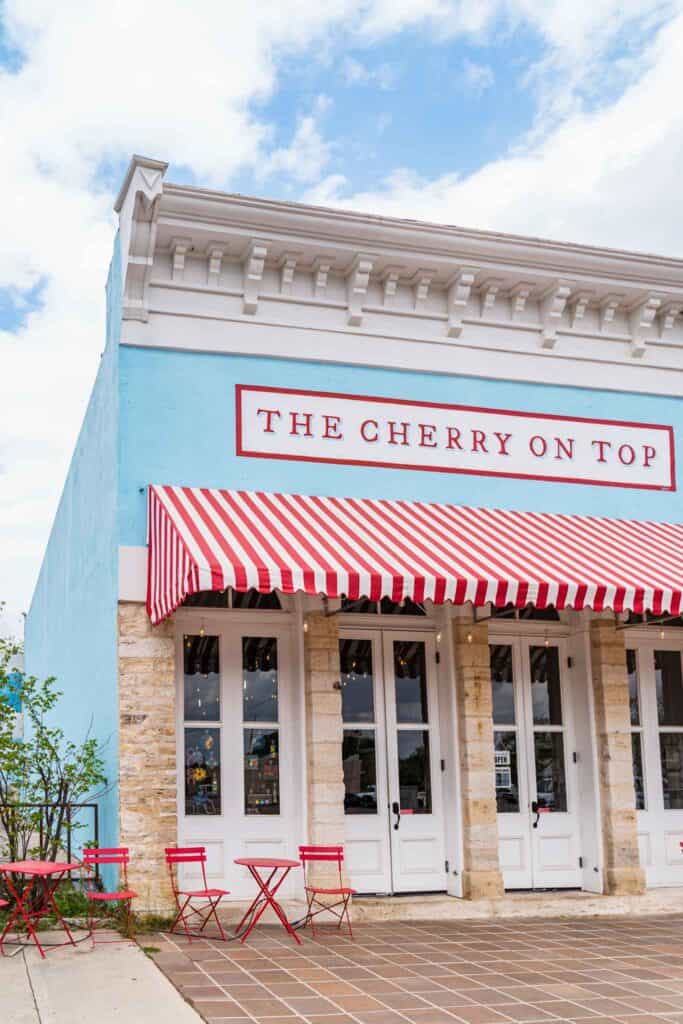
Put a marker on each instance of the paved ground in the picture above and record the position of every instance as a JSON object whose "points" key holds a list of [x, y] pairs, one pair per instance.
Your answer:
{"points": [[594, 971], [112, 984]]}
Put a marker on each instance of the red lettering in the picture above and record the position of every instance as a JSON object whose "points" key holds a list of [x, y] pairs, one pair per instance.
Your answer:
{"points": [[649, 453], [623, 451], [363, 430], [454, 438], [538, 446], [502, 442], [601, 445], [427, 435], [479, 441], [398, 430], [331, 427], [303, 420], [564, 447], [269, 413]]}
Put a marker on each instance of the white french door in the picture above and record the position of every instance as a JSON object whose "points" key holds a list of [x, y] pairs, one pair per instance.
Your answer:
{"points": [[392, 767], [655, 669], [236, 745], [536, 789]]}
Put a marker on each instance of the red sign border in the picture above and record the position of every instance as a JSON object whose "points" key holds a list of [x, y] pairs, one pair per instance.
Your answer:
{"points": [[241, 451]]}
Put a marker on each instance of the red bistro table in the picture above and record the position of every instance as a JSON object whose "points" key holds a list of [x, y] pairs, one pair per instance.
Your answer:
{"points": [[50, 875], [268, 886]]}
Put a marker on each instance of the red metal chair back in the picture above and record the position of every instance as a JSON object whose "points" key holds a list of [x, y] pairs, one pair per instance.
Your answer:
{"points": [[95, 856], [329, 854], [185, 855]]}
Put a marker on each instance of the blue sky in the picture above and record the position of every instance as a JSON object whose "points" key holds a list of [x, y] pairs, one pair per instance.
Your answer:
{"points": [[532, 116]]}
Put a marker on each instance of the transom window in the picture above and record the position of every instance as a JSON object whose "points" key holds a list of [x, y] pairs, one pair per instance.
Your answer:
{"points": [[230, 598]]}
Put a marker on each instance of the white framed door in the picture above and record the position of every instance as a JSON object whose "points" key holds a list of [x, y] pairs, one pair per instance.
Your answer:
{"points": [[392, 767], [536, 786], [655, 669], [236, 745]]}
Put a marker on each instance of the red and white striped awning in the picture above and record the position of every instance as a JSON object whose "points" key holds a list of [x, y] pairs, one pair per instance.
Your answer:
{"points": [[202, 539]]}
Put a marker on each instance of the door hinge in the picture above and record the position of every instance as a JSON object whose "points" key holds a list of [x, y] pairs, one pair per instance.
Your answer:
{"points": [[437, 658], [443, 765], [569, 662], [575, 757], [446, 866], [580, 862]]}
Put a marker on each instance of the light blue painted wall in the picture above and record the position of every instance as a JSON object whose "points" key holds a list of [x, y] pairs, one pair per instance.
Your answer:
{"points": [[71, 627], [178, 427]]}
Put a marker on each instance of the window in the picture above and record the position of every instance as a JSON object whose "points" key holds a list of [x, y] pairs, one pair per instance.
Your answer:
{"points": [[636, 729], [528, 613], [202, 730], [260, 717], [384, 607], [230, 598], [669, 688], [504, 728], [359, 748]]}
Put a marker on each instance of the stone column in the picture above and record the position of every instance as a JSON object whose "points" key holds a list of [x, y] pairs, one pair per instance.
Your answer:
{"points": [[323, 738], [147, 753], [623, 873], [481, 876]]}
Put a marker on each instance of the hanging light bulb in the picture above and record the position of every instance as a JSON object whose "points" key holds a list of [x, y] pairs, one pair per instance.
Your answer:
{"points": [[438, 638], [305, 627], [202, 631], [661, 634], [469, 638]]}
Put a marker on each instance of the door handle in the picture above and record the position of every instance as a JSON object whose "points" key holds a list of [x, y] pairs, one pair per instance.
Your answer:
{"points": [[395, 809], [537, 808]]}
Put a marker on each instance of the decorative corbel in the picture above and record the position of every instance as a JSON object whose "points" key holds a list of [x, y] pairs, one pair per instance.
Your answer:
{"points": [[357, 282], [321, 270], [390, 282], [179, 249], [551, 307], [421, 282], [488, 292], [215, 251], [253, 275], [458, 296], [518, 299], [287, 267], [608, 308], [578, 304], [640, 321], [668, 314]]}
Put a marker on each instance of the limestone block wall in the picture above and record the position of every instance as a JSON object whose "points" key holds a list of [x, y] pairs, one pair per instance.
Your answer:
{"points": [[147, 752], [482, 878], [623, 873], [323, 737]]}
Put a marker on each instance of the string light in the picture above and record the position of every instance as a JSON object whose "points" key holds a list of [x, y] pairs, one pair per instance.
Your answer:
{"points": [[469, 638], [438, 638]]}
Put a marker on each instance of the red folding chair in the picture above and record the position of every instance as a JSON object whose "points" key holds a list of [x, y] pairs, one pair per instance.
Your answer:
{"points": [[125, 895], [329, 854], [3, 903], [193, 855]]}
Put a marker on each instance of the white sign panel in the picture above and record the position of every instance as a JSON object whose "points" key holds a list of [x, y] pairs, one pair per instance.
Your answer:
{"points": [[361, 430]]}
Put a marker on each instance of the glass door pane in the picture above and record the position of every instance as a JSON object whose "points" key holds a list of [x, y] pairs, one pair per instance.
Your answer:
{"points": [[412, 745], [548, 728], [359, 745]]}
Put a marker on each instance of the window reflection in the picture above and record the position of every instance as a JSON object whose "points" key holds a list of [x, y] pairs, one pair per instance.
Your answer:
{"points": [[360, 775], [632, 670], [201, 678], [259, 679], [669, 687], [551, 786], [507, 786], [355, 658], [414, 779], [502, 684], [202, 771], [261, 771], [410, 681], [638, 781], [545, 685]]}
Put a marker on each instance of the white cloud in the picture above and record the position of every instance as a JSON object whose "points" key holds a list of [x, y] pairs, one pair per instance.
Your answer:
{"points": [[102, 80], [355, 73], [477, 78], [611, 176]]}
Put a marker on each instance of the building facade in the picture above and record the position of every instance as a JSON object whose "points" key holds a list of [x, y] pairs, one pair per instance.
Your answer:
{"points": [[370, 537]]}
